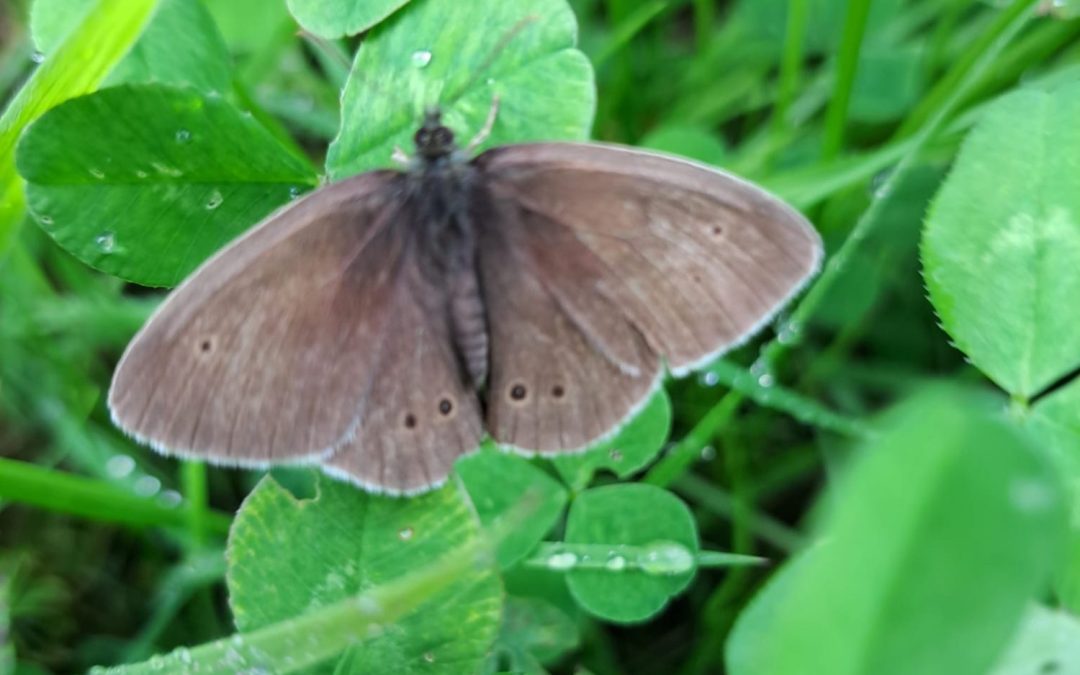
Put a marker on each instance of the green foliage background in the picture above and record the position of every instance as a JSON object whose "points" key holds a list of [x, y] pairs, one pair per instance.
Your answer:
{"points": [[903, 444]]}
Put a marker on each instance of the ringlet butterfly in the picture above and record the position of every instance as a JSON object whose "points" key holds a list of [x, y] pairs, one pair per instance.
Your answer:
{"points": [[382, 324]]}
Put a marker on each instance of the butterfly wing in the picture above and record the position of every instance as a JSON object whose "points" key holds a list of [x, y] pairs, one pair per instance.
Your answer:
{"points": [[264, 353], [421, 412], [690, 260]]}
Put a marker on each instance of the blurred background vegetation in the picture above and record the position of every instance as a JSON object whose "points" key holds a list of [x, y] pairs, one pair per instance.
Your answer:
{"points": [[816, 99]]}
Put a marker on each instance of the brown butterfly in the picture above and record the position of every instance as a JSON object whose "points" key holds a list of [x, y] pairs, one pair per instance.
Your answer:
{"points": [[381, 325]]}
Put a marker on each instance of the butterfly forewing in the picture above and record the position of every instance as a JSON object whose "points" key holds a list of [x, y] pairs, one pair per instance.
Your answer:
{"points": [[696, 259], [262, 354]]}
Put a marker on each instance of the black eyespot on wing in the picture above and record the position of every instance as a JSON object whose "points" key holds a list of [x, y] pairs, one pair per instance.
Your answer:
{"points": [[558, 391], [410, 421], [445, 406], [518, 392]]}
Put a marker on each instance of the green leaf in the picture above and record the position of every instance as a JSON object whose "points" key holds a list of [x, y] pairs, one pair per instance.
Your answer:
{"points": [[180, 46], [77, 67], [336, 18], [535, 633], [687, 140], [1048, 643], [460, 55], [309, 642], [632, 514], [249, 25], [628, 452], [1055, 418], [497, 482], [929, 574], [1002, 242], [145, 181], [288, 557]]}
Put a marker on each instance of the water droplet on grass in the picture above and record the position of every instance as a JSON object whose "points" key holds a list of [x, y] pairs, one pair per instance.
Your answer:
{"points": [[616, 563], [562, 561], [183, 136], [97, 173], [147, 486], [120, 466], [405, 534], [666, 559]]}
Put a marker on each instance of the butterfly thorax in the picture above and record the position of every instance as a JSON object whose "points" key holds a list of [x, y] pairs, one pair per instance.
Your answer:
{"points": [[440, 186]]}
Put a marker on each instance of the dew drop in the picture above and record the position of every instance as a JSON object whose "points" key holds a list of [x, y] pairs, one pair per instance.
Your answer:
{"points": [[45, 220], [879, 184], [429, 657], [140, 173], [708, 453], [562, 561], [616, 455], [709, 379], [171, 498], [120, 466], [616, 563], [667, 558], [38, 57], [214, 200], [183, 136], [147, 486], [421, 58], [766, 380], [405, 534], [97, 173], [294, 192], [789, 333], [106, 242], [491, 82]]}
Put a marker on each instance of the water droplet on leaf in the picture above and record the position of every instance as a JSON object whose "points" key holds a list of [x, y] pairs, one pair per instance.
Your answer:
{"points": [[106, 242], [421, 58], [183, 136], [37, 57], [97, 173], [215, 200], [405, 534]]}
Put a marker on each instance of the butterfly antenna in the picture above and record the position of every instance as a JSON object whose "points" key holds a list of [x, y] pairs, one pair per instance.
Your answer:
{"points": [[485, 131]]}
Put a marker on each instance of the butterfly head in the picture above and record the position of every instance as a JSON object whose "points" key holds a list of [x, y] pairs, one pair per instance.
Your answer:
{"points": [[433, 140]]}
